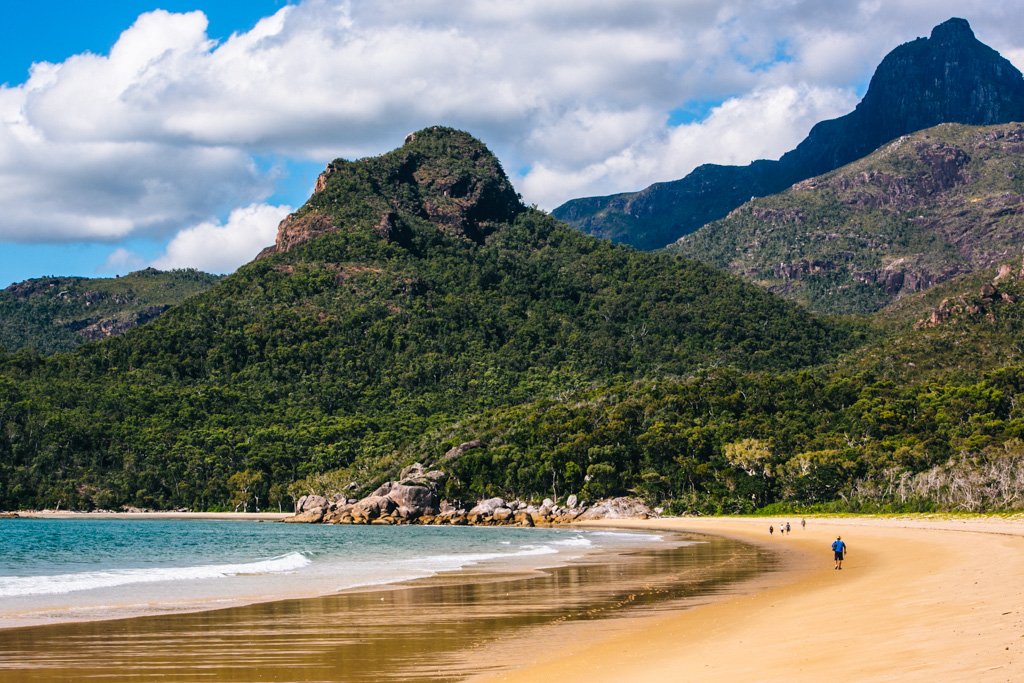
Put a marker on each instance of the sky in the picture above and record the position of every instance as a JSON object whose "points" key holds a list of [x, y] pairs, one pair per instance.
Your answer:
{"points": [[177, 134]]}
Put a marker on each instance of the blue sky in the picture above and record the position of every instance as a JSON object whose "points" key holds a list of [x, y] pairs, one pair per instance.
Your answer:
{"points": [[53, 31], [56, 30], [178, 134]]}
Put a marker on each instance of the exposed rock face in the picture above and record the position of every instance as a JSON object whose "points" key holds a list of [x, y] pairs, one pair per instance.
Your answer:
{"points": [[618, 508], [296, 229], [991, 301], [397, 503], [114, 326], [457, 451], [440, 175], [310, 502], [412, 498], [919, 211], [417, 475], [949, 77], [417, 500], [314, 516], [486, 508]]}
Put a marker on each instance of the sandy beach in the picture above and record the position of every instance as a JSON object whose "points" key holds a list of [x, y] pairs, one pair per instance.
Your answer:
{"points": [[918, 599]]}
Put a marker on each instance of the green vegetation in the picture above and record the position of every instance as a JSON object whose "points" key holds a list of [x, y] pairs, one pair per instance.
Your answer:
{"points": [[917, 212], [53, 314], [343, 350], [414, 304]]}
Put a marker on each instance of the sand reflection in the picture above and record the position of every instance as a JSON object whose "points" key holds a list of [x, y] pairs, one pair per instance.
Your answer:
{"points": [[441, 629]]}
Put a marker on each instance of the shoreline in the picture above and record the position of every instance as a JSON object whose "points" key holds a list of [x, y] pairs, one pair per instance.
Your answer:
{"points": [[432, 629], [557, 551], [919, 598], [70, 514]]}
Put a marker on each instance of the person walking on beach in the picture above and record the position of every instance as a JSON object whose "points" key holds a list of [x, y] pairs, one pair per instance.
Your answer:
{"points": [[803, 524], [771, 530], [788, 530], [839, 551]]}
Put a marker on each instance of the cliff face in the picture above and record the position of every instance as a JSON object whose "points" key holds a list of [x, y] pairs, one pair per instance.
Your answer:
{"points": [[948, 77], [925, 208]]}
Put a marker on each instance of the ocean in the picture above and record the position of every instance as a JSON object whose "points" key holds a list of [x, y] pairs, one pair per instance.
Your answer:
{"points": [[54, 570], [177, 601]]}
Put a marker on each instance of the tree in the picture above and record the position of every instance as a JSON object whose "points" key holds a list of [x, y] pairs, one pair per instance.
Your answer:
{"points": [[243, 486]]}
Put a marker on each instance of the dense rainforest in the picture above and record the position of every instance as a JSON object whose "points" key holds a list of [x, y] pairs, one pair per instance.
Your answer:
{"points": [[414, 304]]}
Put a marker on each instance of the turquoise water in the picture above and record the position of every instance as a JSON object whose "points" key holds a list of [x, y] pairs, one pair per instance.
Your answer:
{"points": [[62, 570]]}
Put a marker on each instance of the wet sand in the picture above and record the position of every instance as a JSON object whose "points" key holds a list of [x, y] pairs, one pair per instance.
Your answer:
{"points": [[918, 599], [446, 628]]}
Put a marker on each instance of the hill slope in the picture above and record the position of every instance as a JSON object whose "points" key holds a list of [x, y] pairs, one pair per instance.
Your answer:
{"points": [[948, 77], [412, 290], [923, 209], [928, 415], [60, 313]]}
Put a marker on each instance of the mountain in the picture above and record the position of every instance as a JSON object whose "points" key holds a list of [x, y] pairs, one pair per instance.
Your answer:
{"points": [[950, 77], [60, 313], [411, 291], [919, 211]]}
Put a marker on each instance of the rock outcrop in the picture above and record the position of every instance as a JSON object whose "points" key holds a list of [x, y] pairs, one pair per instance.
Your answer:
{"points": [[414, 499], [440, 175], [987, 304], [618, 508], [111, 327]]}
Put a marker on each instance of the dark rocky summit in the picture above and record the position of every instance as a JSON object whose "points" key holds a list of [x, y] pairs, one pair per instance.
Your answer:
{"points": [[948, 77]]}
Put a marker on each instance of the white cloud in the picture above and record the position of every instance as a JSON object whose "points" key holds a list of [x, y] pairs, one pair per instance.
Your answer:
{"points": [[761, 125], [218, 248], [121, 260], [163, 131]]}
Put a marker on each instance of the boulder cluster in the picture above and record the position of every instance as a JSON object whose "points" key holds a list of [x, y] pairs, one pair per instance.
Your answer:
{"points": [[413, 499], [989, 296]]}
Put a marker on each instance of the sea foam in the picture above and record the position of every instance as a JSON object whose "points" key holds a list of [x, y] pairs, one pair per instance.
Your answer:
{"points": [[13, 586]]}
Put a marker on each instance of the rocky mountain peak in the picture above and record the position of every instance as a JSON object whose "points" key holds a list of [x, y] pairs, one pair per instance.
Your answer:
{"points": [[441, 175], [952, 31], [950, 77]]}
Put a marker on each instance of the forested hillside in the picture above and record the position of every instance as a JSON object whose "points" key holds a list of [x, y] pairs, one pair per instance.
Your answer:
{"points": [[52, 314], [413, 291], [927, 415]]}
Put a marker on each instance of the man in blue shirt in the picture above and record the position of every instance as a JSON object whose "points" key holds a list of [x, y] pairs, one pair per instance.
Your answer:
{"points": [[839, 550]]}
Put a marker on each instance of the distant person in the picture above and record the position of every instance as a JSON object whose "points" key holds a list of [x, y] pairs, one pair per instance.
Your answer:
{"points": [[839, 551], [803, 524], [788, 530], [771, 530]]}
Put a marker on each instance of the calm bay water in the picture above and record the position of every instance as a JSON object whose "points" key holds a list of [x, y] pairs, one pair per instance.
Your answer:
{"points": [[61, 570], [171, 576]]}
